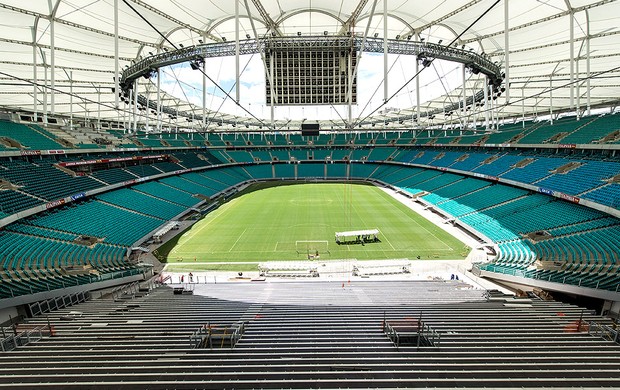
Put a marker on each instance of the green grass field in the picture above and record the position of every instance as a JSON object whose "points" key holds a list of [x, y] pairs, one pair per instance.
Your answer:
{"points": [[266, 224]]}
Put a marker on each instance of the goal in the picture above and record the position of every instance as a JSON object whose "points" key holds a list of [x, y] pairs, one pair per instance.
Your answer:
{"points": [[312, 249]]}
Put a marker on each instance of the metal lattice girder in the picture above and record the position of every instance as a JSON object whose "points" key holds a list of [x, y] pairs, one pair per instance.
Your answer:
{"points": [[375, 45]]}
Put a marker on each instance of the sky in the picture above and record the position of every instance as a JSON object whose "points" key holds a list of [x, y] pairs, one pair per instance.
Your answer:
{"points": [[183, 82]]}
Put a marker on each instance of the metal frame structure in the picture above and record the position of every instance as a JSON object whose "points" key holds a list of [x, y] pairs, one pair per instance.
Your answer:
{"points": [[196, 55]]}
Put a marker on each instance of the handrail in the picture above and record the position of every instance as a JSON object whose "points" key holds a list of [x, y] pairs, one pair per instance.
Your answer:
{"points": [[203, 336], [606, 332], [15, 339], [523, 274]]}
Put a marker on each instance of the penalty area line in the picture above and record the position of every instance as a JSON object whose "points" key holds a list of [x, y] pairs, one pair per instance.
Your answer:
{"points": [[238, 238]]}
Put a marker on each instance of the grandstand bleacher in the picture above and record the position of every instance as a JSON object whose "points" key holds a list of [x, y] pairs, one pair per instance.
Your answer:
{"points": [[332, 338]]}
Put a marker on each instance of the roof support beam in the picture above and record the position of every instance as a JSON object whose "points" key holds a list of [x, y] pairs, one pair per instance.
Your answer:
{"points": [[449, 15], [174, 20], [543, 20], [352, 20], [72, 24], [271, 25]]}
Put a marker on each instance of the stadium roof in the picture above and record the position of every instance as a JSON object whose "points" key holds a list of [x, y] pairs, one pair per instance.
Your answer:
{"points": [[563, 53]]}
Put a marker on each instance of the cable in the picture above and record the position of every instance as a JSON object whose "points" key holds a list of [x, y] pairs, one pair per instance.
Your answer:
{"points": [[199, 69], [430, 61]]}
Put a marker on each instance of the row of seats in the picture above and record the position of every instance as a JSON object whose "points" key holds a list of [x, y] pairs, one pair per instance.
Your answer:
{"points": [[593, 129], [581, 175], [27, 137], [316, 335], [582, 239], [95, 218], [502, 213]]}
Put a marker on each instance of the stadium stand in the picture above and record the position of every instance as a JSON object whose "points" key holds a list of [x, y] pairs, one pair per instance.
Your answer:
{"points": [[16, 135], [32, 181], [334, 339]]}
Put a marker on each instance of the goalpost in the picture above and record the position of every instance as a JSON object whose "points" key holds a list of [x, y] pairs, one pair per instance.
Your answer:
{"points": [[312, 249]]}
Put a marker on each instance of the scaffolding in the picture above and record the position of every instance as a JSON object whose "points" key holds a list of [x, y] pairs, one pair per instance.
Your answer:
{"points": [[411, 333], [213, 336]]}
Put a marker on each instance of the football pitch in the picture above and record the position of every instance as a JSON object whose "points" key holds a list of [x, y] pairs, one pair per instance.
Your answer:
{"points": [[291, 222]]}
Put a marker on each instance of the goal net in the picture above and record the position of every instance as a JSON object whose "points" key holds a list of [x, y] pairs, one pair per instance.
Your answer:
{"points": [[312, 249]]}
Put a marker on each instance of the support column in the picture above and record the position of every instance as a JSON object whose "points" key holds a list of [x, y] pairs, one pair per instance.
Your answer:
{"points": [[273, 91], [577, 89], [53, 67], [551, 97], [71, 99], [486, 103], [126, 124], [135, 105], [159, 100], [417, 82], [129, 111], [587, 62], [147, 110], [116, 57], [572, 58], [204, 95], [98, 108], [237, 67], [507, 51], [45, 91], [385, 52], [464, 97], [34, 74], [523, 106], [350, 88]]}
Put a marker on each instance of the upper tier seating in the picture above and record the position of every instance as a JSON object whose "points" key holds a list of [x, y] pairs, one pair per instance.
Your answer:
{"points": [[12, 202], [29, 136], [114, 175], [140, 202], [185, 184], [111, 224], [40, 178], [171, 194]]}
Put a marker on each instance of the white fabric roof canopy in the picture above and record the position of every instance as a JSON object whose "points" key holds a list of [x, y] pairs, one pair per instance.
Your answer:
{"points": [[83, 40]]}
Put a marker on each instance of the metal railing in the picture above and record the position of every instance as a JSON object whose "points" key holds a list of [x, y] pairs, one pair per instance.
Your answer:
{"points": [[57, 303], [424, 334], [207, 336], [567, 279], [12, 338], [605, 332]]}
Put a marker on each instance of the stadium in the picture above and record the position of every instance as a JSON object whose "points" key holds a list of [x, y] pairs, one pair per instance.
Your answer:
{"points": [[309, 194]]}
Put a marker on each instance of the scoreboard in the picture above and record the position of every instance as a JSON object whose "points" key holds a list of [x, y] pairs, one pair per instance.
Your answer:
{"points": [[311, 71]]}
